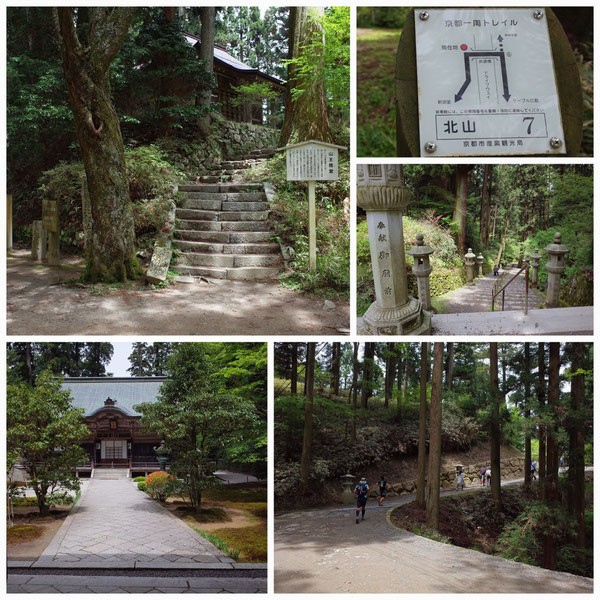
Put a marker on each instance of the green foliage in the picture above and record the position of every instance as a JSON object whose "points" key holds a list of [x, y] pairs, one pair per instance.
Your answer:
{"points": [[219, 543], [45, 431], [380, 16], [160, 485], [138, 479], [142, 485], [253, 93]]}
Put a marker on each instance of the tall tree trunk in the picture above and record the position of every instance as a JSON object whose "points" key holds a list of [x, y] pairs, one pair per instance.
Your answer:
{"points": [[112, 253], [527, 415], [495, 429], [494, 221], [487, 215], [309, 390], [401, 368], [576, 448], [336, 356], [206, 54], [551, 491], [306, 117], [354, 391], [459, 215], [422, 455], [390, 373], [432, 513], [367, 379], [484, 199], [450, 365], [294, 375], [541, 394]]}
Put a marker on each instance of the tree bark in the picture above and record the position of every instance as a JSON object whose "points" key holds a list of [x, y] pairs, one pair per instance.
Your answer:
{"points": [[495, 429], [112, 256], [309, 389], [206, 54], [354, 391], [459, 215], [367, 374], [541, 394], [576, 448], [335, 368], [294, 375], [551, 486], [422, 452], [527, 415], [432, 512], [306, 117], [450, 365], [486, 169]]}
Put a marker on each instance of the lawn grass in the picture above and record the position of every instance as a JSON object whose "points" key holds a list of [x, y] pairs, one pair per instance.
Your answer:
{"points": [[375, 69], [18, 534]]}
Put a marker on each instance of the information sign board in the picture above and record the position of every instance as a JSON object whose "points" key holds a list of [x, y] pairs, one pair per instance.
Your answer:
{"points": [[50, 215], [486, 83], [312, 162]]}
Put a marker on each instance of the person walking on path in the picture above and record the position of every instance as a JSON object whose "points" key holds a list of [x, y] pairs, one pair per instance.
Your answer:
{"points": [[362, 493], [533, 470], [496, 269], [383, 485], [482, 475], [488, 476], [460, 481]]}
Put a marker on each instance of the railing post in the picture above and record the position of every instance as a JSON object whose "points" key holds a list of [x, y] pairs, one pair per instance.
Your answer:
{"points": [[503, 292]]}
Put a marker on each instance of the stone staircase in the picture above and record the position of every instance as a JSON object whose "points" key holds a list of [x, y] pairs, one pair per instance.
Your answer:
{"points": [[110, 473], [223, 231]]}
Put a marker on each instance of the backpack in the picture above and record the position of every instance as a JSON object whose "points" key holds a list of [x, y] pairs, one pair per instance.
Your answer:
{"points": [[362, 490]]}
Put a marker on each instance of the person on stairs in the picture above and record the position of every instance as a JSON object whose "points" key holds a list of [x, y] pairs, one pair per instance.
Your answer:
{"points": [[361, 491]]}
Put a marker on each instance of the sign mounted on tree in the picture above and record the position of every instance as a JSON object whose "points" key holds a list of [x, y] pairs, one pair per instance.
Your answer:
{"points": [[487, 82], [312, 161]]}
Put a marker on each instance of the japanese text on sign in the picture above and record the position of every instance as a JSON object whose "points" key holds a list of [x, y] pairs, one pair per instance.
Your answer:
{"points": [[312, 163]]}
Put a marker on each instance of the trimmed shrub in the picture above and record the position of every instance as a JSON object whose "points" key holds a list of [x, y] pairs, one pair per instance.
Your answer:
{"points": [[142, 484], [160, 485]]}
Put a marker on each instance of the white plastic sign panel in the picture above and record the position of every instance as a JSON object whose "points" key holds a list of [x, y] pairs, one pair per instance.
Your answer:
{"points": [[312, 162], [486, 83]]}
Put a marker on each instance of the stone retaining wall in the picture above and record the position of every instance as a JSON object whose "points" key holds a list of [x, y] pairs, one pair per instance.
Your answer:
{"points": [[511, 468]]}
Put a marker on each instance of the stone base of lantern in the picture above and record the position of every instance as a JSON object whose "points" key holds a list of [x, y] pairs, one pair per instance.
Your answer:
{"points": [[409, 319]]}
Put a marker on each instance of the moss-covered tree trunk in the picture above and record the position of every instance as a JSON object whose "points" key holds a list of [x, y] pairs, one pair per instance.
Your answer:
{"points": [[309, 391], [86, 63], [422, 452], [527, 415], [495, 429], [306, 115], [541, 394], [459, 214]]}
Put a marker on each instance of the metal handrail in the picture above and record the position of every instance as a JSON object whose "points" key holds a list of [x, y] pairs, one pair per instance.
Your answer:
{"points": [[496, 292]]}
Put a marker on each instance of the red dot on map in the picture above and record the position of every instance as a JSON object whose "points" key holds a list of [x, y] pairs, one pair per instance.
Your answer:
{"points": [[463, 46]]}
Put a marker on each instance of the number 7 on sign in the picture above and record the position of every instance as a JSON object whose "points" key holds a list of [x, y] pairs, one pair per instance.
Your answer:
{"points": [[530, 119]]}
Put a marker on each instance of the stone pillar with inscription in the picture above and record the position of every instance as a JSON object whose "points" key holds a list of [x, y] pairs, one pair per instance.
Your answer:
{"points": [[480, 264], [555, 266], [38, 241], [381, 194], [534, 259], [469, 264], [422, 269]]}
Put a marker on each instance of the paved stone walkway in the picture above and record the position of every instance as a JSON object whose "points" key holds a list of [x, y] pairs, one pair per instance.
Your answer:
{"points": [[103, 584], [324, 551], [478, 297], [116, 525]]}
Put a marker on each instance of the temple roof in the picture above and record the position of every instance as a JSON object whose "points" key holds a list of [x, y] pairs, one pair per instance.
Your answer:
{"points": [[91, 393]]}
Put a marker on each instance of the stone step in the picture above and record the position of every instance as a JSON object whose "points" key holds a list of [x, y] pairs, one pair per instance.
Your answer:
{"points": [[229, 260], [236, 248], [221, 187], [239, 226], [223, 204], [229, 273], [224, 237], [192, 214], [225, 195]]}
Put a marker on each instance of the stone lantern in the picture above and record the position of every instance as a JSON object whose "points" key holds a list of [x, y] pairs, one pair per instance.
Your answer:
{"points": [[480, 264], [534, 260], [470, 263], [348, 493], [555, 266], [383, 196], [422, 269]]}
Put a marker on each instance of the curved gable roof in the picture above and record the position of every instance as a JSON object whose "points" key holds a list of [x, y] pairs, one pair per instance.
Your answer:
{"points": [[89, 393]]}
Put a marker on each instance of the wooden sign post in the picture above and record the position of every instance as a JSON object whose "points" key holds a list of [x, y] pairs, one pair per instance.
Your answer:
{"points": [[312, 161]]}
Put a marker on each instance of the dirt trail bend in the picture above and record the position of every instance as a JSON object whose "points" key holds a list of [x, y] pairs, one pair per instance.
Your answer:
{"points": [[325, 551]]}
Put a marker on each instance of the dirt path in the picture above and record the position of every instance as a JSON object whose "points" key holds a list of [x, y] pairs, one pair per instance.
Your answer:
{"points": [[325, 551], [38, 303]]}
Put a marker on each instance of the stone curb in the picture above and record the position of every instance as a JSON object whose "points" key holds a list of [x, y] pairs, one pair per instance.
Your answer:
{"points": [[137, 566]]}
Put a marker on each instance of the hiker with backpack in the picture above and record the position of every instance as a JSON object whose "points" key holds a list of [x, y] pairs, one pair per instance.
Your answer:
{"points": [[361, 492], [482, 475], [383, 484], [533, 470], [460, 481]]}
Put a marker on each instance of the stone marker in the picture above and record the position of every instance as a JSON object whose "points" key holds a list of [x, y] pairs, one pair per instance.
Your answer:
{"points": [[38, 238], [480, 264], [469, 263], [159, 264], [422, 269], [348, 493], [535, 265], [50, 223], [555, 266], [381, 194]]}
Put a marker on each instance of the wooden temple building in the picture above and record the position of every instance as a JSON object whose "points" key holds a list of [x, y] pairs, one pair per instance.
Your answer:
{"points": [[116, 438], [229, 71]]}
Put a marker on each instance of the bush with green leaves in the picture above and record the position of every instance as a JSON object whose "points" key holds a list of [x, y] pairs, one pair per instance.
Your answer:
{"points": [[160, 485], [142, 485]]}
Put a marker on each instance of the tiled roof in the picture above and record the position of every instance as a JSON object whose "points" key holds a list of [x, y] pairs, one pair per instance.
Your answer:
{"points": [[90, 393]]}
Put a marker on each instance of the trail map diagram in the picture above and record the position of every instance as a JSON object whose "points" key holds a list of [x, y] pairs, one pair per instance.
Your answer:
{"points": [[486, 83]]}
